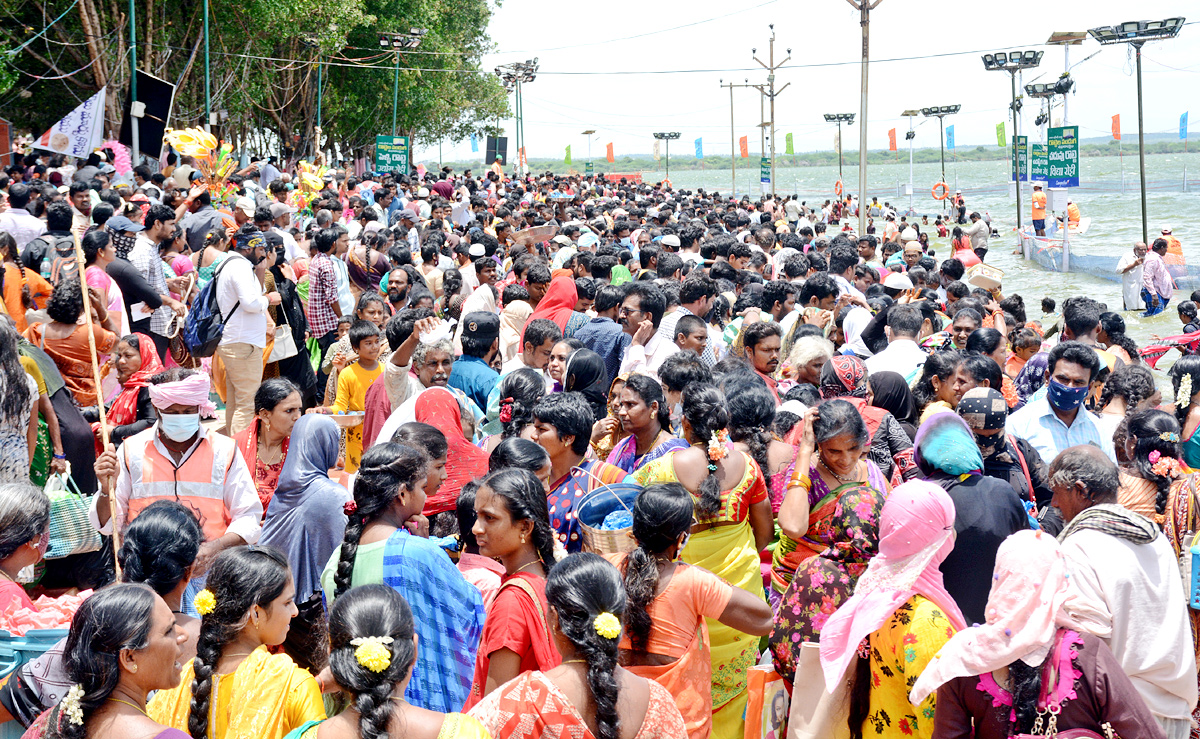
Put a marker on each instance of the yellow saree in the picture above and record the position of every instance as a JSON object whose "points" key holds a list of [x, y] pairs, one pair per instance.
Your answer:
{"points": [[265, 698]]}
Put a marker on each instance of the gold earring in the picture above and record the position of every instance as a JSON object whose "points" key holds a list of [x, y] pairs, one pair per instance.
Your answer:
{"points": [[522, 539], [133, 668]]}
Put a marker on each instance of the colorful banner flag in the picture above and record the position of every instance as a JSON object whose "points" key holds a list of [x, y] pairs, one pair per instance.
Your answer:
{"points": [[950, 137], [474, 143], [79, 132], [610, 156], [1116, 127], [657, 153], [744, 146], [520, 159], [700, 148], [1183, 126], [1000, 139], [892, 140], [568, 159], [789, 150]]}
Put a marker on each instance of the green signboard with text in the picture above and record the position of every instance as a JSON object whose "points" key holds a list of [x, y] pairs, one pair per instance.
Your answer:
{"points": [[588, 169], [391, 154], [1063, 156], [1040, 167]]}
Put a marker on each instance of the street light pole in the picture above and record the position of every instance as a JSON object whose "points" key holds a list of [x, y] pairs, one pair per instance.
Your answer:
{"points": [[771, 93], [1137, 47], [864, 7], [667, 136], [733, 138], [909, 135], [512, 76], [839, 118], [1012, 63]]}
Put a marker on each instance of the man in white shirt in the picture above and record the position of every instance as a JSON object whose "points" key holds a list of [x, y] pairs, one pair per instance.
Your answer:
{"points": [[902, 354], [281, 219], [842, 261], [25, 227], [1124, 586], [1130, 269], [641, 313], [240, 298]]}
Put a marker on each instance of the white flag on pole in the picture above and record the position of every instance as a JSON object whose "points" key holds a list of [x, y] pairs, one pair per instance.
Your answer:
{"points": [[79, 132], [657, 156]]}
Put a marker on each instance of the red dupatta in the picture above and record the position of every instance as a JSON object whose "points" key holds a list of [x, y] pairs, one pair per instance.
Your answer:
{"points": [[464, 461], [558, 303], [124, 408]]}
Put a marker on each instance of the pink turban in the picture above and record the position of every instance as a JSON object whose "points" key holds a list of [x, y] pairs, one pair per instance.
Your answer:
{"points": [[191, 390]]}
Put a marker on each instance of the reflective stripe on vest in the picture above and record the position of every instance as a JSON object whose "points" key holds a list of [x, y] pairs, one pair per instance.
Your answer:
{"points": [[198, 483]]}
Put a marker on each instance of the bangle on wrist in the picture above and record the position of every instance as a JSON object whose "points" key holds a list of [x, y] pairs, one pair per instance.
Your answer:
{"points": [[60, 456]]}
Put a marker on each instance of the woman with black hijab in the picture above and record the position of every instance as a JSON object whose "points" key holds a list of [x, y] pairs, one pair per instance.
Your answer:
{"points": [[890, 392]]}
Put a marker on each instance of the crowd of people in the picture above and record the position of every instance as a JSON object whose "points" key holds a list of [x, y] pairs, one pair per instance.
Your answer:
{"points": [[849, 459]]}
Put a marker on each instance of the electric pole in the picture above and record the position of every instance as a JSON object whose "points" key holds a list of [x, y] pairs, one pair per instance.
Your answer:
{"points": [[864, 7], [733, 151], [770, 92]]}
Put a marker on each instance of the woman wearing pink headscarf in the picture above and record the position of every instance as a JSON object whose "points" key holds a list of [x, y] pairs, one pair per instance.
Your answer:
{"points": [[899, 617], [1029, 650]]}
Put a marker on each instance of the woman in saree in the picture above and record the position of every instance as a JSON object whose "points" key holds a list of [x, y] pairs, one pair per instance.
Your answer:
{"points": [[385, 542], [264, 443], [643, 414], [890, 448], [114, 633], [23, 289], [439, 408], [607, 431], [235, 687], [372, 652], [890, 392], [131, 412], [751, 413], [588, 696], [733, 524], [214, 252], [898, 618], [513, 528], [305, 520], [666, 638], [66, 340], [367, 262], [830, 525]]}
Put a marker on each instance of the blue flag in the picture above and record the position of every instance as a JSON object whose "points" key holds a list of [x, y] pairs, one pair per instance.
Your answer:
{"points": [[1183, 126], [700, 148], [474, 143], [949, 137]]}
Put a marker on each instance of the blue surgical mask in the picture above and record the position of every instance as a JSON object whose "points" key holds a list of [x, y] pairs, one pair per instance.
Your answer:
{"points": [[179, 427], [1065, 398], [626, 242]]}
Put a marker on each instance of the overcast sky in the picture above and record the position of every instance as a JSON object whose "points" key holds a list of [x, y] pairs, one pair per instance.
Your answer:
{"points": [[595, 76]]}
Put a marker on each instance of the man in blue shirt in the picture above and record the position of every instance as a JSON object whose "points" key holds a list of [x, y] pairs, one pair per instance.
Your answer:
{"points": [[1059, 420], [472, 372], [603, 334]]}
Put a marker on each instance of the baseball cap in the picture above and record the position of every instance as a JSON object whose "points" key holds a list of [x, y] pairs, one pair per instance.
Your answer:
{"points": [[1166, 229], [248, 240], [481, 325], [408, 214], [246, 205], [897, 281], [671, 240], [423, 192], [123, 225], [280, 209]]}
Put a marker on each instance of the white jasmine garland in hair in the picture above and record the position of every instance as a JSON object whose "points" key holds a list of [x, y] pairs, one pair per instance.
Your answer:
{"points": [[1183, 396], [70, 704]]}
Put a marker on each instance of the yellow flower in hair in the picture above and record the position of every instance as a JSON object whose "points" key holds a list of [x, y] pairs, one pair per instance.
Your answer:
{"points": [[372, 652], [607, 626], [205, 602]]}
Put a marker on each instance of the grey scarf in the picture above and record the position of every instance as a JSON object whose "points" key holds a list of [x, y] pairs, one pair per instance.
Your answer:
{"points": [[1114, 520]]}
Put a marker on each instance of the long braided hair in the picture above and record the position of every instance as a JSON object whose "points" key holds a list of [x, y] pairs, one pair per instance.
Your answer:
{"points": [[751, 416], [704, 410], [240, 579], [581, 589], [661, 514], [1156, 437], [386, 470], [364, 612]]}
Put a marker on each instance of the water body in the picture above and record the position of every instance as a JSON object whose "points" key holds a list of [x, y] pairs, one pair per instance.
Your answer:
{"points": [[1116, 215]]}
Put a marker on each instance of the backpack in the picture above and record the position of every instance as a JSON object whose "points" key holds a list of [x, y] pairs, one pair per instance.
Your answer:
{"points": [[204, 324], [58, 261]]}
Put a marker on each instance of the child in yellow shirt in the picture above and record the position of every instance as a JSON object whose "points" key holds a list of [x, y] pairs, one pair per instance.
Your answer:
{"points": [[353, 383]]}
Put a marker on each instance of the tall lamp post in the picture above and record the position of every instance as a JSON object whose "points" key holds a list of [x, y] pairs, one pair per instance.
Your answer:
{"points": [[940, 112], [909, 135], [512, 76], [396, 42], [839, 119], [589, 134], [1138, 33], [1012, 63], [667, 136]]}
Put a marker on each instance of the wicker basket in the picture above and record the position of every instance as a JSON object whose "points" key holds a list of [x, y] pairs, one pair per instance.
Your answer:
{"points": [[592, 510]]}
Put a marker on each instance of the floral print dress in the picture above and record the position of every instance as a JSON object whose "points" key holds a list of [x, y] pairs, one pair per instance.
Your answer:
{"points": [[847, 518]]}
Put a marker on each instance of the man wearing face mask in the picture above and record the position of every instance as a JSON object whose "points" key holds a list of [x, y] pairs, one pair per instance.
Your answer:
{"points": [[1059, 420], [241, 301], [177, 459], [1007, 457]]}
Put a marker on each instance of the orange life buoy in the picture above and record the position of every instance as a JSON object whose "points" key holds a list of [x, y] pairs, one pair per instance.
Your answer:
{"points": [[837, 188], [945, 191]]}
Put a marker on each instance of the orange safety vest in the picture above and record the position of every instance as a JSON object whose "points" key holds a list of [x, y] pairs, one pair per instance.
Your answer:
{"points": [[198, 482], [1174, 246], [1072, 213], [1039, 206]]}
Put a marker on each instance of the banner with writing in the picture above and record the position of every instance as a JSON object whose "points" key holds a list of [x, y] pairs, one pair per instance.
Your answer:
{"points": [[79, 132], [1063, 154]]}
